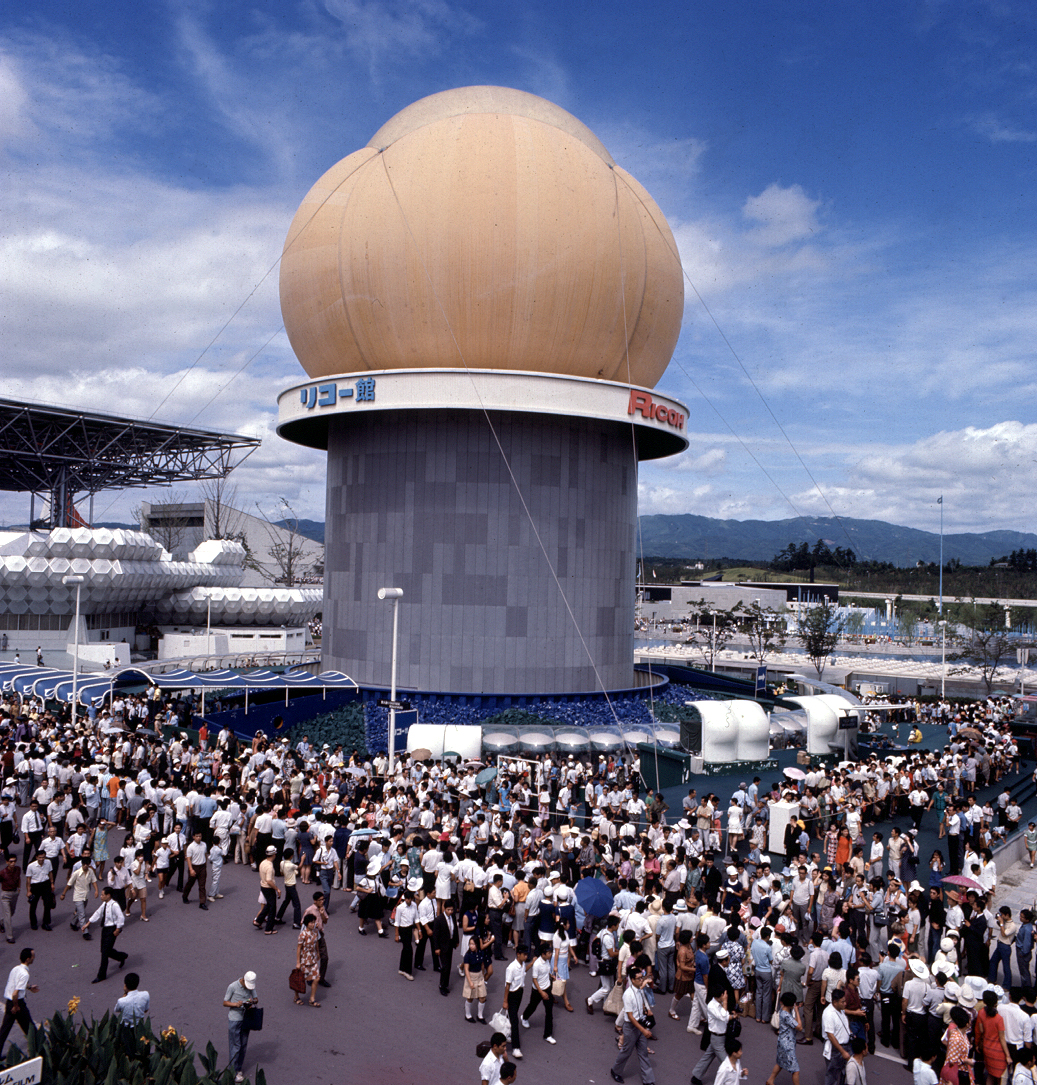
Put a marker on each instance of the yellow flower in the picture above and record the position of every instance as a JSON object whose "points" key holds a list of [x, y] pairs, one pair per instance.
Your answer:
{"points": [[73, 1005]]}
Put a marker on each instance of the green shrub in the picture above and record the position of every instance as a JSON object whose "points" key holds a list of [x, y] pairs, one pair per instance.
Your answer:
{"points": [[105, 1052], [345, 725]]}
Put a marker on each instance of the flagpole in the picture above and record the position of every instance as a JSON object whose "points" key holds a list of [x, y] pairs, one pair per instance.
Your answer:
{"points": [[940, 503]]}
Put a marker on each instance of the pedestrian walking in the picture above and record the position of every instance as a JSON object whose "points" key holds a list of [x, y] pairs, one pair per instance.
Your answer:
{"points": [[290, 874], [217, 857], [307, 958], [112, 921], [406, 919], [540, 994], [514, 986], [10, 890], [320, 915], [788, 1022], [269, 888], [82, 881], [196, 855], [15, 1006], [39, 886], [636, 1032], [241, 996]]}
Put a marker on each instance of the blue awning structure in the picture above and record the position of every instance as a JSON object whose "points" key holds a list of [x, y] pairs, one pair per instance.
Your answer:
{"points": [[97, 686]]}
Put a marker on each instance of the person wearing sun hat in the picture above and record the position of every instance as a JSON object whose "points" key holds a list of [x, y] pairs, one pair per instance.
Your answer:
{"points": [[241, 996], [913, 1013]]}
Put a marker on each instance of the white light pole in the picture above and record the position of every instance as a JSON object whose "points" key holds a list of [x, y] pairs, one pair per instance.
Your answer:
{"points": [[68, 581], [943, 658], [395, 594], [713, 644]]}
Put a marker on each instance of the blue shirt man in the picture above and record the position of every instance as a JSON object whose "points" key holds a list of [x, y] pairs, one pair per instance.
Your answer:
{"points": [[135, 1004]]}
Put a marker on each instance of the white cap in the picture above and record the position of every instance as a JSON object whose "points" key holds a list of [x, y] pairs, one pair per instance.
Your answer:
{"points": [[249, 980]]}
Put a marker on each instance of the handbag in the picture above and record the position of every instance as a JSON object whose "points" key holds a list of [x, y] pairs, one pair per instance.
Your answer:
{"points": [[297, 980], [558, 987], [253, 1018], [776, 1020], [614, 1003]]}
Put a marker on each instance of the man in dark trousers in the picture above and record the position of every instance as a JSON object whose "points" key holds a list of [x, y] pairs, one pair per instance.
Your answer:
{"points": [[712, 880], [112, 921], [445, 938], [15, 1008]]}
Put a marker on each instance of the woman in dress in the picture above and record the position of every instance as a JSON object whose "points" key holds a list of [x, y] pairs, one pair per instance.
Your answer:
{"points": [[957, 1044], [563, 953], [684, 984], [788, 1023], [829, 900], [843, 848], [936, 870], [307, 957], [735, 831], [990, 1039]]}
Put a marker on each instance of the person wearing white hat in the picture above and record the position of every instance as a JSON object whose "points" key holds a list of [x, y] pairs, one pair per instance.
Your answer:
{"points": [[241, 997], [913, 1014]]}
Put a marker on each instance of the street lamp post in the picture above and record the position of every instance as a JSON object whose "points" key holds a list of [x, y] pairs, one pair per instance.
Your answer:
{"points": [[943, 658], [395, 594], [713, 644], [68, 581]]}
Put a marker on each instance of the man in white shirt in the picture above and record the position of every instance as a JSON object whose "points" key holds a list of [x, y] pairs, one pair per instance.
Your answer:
{"points": [[197, 856], [635, 1034], [541, 992], [717, 1017], [514, 985], [112, 921], [836, 1030], [489, 1068], [15, 1007]]}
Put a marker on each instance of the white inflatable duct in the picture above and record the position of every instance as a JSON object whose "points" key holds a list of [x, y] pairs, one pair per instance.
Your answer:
{"points": [[733, 731], [823, 713], [464, 741]]}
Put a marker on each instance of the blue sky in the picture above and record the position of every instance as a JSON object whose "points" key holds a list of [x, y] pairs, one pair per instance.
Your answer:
{"points": [[851, 186]]}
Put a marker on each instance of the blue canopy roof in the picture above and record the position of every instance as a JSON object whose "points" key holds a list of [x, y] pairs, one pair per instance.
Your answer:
{"points": [[95, 686]]}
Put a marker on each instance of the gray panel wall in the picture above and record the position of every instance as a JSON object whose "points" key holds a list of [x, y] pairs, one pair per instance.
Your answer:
{"points": [[424, 502]]}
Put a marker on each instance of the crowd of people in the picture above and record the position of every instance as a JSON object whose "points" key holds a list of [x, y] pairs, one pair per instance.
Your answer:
{"points": [[554, 864]]}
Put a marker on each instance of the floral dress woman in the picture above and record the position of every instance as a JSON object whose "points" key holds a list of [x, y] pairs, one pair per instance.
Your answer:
{"points": [[786, 1055], [308, 958]]}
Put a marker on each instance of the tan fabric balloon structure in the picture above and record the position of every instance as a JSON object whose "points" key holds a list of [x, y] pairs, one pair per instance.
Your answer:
{"points": [[489, 240]]}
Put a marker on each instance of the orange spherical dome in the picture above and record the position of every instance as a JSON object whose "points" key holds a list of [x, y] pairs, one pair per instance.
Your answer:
{"points": [[483, 228]]}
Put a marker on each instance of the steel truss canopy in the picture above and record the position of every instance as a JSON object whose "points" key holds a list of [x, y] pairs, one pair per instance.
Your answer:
{"points": [[62, 452]]}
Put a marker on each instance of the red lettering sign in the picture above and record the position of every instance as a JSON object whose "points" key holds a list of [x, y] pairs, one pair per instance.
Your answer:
{"points": [[642, 403]]}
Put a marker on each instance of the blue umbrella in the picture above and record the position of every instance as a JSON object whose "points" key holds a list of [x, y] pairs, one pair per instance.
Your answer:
{"points": [[594, 897], [486, 775]]}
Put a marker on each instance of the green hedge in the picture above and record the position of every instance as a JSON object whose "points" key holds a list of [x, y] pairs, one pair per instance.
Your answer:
{"points": [[105, 1052], [345, 725]]}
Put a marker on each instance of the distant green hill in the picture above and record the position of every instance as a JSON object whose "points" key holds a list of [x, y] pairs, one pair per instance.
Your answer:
{"points": [[688, 536]]}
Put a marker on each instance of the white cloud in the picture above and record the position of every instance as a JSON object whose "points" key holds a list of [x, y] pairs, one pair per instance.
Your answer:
{"points": [[783, 215], [383, 32], [997, 131]]}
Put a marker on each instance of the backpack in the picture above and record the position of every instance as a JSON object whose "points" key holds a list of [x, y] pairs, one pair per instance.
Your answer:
{"points": [[596, 946]]}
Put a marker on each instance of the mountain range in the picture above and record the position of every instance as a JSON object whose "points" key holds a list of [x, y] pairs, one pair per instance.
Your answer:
{"points": [[700, 537]]}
